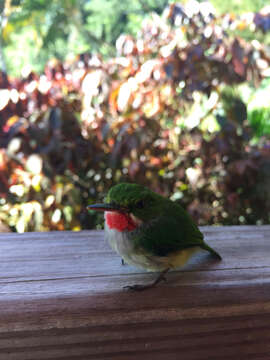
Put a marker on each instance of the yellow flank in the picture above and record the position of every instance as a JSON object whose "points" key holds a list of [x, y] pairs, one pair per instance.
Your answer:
{"points": [[160, 263], [180, 258]]}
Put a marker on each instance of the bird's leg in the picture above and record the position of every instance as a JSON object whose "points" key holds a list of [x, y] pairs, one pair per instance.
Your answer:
{"points": [[148, 286], [123, 262]]}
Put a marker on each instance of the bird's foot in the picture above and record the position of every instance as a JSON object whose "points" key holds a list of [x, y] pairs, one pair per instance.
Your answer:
{"points": [[138, 287], [123, 262], [161, 278]]}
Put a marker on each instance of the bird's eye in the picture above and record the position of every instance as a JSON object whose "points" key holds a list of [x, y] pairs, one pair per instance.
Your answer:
{"points": [[140, 204]]}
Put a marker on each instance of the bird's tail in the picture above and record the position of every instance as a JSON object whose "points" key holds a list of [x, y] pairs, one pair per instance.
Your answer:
{"points": [[212, 251]]}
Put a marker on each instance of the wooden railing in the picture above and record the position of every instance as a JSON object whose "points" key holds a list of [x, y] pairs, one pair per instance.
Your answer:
{"points": [[61, 297]]}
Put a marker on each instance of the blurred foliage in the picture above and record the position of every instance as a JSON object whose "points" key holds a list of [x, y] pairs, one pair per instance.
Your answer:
{"points": [[259, 120], [238, 7], [167, 112], [258, 109], [34, 31]]}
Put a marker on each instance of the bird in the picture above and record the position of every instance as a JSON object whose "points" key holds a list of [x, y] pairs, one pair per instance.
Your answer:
{"points": [[149, 230]]}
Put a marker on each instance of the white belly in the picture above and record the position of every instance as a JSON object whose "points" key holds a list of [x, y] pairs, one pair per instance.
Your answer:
{"points": [[124, 246], [119, 241]]}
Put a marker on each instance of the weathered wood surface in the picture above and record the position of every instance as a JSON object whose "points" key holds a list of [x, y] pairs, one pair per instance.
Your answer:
{"points": [[61, 297]]}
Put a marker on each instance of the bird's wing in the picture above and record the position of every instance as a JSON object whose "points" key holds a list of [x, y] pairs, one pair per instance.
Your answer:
{"points": [[167, 234]]}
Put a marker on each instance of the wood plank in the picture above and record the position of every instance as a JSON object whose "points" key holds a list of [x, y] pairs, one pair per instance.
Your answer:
{"points": [[61, 297]]}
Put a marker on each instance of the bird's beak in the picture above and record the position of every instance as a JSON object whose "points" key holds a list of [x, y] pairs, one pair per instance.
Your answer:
{"points": [[106, 207]]}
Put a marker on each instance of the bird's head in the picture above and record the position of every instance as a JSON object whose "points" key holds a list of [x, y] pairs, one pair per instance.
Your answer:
{"points": [[130, 205]]}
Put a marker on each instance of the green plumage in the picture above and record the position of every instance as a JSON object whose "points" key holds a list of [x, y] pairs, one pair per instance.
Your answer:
{"points": [[149, 231], [166, 226]]}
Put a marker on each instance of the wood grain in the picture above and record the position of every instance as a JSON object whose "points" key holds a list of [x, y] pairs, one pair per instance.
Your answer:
{"points": [[61, 297]]}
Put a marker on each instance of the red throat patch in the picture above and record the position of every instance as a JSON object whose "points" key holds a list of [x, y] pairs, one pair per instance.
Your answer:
{"points": [[119, 221]]}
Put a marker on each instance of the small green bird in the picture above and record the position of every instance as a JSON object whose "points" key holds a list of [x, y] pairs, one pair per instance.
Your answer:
{"points": [[149, 231]]}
